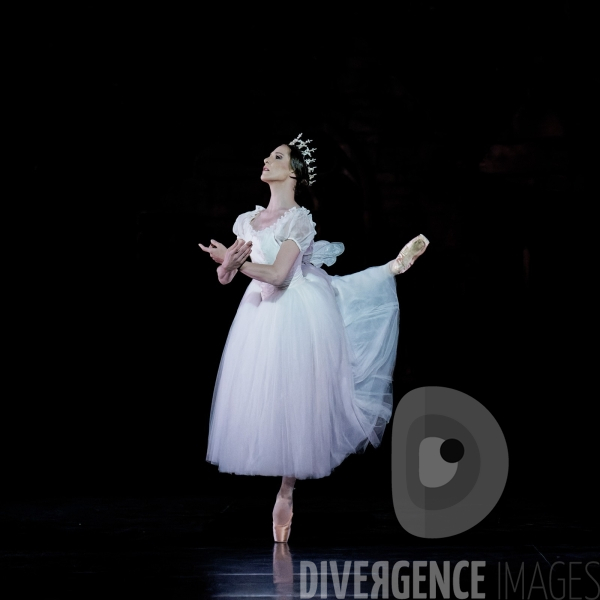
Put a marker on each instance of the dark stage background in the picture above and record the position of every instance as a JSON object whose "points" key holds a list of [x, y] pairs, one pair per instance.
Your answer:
{"points": [[144, 137]]}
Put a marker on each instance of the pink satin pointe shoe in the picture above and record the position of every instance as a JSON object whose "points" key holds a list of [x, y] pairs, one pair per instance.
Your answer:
{"points": [[409, 254], [281, 533]]}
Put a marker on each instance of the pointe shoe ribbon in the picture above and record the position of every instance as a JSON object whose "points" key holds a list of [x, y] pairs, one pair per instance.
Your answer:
{"points": [[409, 254], [281, 533]]}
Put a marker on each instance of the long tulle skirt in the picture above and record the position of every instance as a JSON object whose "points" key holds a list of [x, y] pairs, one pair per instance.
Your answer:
{"points": [[306, 375]]}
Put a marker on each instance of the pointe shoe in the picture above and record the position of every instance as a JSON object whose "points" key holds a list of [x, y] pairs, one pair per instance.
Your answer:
{"points": [[409, 254], [281, 533]]}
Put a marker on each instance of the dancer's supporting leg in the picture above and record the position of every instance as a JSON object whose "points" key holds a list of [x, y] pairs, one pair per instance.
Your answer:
{"points": [[284, 504], [282, 511]]}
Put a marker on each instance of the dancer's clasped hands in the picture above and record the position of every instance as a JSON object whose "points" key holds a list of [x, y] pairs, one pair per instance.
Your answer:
{"points": [[216, 250], [236, 255], [229, 258]]}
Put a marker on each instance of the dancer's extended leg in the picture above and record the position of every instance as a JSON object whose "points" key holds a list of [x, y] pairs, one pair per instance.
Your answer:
{"points": [[409, 254]]}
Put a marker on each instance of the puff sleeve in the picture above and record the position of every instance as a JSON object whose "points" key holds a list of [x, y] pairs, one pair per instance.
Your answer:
{"points": [[238, 226], [299, 227]]}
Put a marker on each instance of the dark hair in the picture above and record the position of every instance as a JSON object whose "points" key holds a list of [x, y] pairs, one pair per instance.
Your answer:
{"points": [[300, 169]]}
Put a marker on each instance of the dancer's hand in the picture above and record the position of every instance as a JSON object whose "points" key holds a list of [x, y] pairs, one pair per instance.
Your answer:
{"points": [[216, 251], [236, 255]]}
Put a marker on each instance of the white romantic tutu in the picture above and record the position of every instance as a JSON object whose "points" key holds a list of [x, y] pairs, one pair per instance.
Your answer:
{"points": [[306, 374]]}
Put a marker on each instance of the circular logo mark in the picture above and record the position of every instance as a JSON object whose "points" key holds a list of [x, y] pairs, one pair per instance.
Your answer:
{"points": [[449, 462]]}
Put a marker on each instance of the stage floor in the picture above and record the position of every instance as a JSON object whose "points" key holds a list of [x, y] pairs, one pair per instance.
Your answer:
{"points": [[220, 545]]}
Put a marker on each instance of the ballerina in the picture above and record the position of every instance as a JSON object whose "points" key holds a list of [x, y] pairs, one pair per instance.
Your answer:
{"points": [[305, 378]]}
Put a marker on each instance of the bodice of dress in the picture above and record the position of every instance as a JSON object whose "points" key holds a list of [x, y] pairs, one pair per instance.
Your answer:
{"points": [[295, 224]]}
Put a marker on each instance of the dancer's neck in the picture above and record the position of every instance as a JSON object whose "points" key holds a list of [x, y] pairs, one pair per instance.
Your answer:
{"points": [[282, 198]]}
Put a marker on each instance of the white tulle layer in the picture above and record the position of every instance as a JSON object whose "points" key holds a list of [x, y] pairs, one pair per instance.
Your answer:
{"points": [[306, 375]]}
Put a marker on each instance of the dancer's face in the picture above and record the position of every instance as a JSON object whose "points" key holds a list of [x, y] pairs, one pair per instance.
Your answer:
{"points": [[277, 165]]}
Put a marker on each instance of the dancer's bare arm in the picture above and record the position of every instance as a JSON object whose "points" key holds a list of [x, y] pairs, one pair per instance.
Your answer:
{"points": [[274, 274]]}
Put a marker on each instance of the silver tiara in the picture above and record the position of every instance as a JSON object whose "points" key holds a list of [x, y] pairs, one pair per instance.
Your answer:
{"points": [[307, 154]]}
